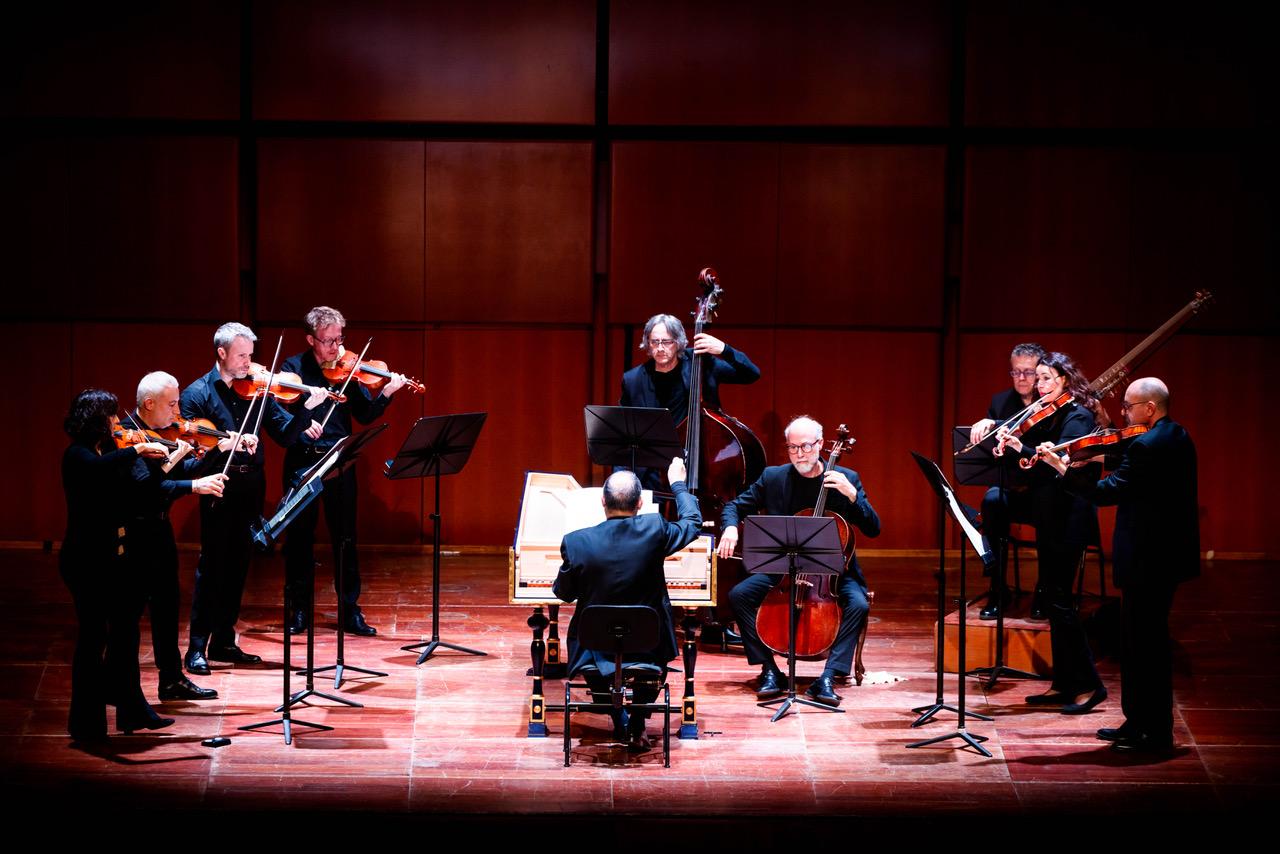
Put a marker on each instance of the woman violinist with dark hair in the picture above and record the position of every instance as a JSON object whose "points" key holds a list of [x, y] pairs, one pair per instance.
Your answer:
{"points": [[1062, 522], [108, 602]]}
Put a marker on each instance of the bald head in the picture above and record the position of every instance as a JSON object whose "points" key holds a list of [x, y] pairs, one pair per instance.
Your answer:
{"points": [[621, 494], [1152, 389]]}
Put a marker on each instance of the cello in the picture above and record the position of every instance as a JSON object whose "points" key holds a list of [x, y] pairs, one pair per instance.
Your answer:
{"points": [[818, 612]]}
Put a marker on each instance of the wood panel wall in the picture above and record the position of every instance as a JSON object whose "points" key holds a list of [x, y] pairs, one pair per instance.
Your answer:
{"points": [[501, 192]]}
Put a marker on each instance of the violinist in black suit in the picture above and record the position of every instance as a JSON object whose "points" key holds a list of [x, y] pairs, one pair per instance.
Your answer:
{"points": [[620, 562], [1156, 547], [784, 491], [153, 486], [226, 543], [663, 381], [325, 336], [1006, 404]]}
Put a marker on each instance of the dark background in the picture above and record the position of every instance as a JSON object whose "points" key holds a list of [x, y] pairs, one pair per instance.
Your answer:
{"points": [[501, 191]]}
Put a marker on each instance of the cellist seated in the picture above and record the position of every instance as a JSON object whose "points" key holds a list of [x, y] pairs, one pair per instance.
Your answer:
{"points": [[787, 490]]}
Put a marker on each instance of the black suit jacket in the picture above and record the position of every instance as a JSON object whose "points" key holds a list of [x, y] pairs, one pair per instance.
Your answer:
{"points": [[1157, 539], [731, 366], [774, 494], [620, 562]]}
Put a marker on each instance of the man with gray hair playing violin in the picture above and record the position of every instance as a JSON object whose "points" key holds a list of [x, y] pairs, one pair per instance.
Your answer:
{"points": [[226, 543]]}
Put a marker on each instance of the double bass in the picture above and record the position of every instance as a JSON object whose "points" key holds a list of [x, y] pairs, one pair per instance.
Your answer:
{"points": [[817, 609], [722, 455]]}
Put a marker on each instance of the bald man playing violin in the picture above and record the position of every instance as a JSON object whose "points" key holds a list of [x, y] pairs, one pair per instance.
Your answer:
{"points": [[226, 544], [325, 337], [1156, 547]]}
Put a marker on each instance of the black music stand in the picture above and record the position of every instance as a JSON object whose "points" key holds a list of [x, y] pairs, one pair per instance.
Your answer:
{"points": [[631, 436], [979, 466], [349, 456], [803, 541], [947, 501], [265, 533], [436, 445]]}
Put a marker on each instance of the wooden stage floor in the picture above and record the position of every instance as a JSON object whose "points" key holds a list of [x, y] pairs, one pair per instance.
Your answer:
{"points": [[448, 738]]}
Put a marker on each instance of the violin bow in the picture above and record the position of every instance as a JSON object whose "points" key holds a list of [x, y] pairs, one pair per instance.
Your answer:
{"points": [[266, 390], [333, 404]]}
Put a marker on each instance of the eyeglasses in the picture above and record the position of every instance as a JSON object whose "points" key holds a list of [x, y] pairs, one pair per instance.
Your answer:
{"points": [[1125, 406], [661, 343], [329, 342], [804, 447], [1026, 375]]}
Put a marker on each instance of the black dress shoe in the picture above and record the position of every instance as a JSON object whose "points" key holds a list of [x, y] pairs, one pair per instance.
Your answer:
{"points": [[770, 685], [1099, 694], [144, 719], [183, 688], [233, 655], [356, 625], [196, 663], [297, 622], [1144, 744], [1113, 733], [822, 691]]}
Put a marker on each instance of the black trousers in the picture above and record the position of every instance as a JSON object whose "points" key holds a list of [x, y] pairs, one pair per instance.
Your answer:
{"points": [[645, 685], [1146, 670], [226, 547], [339, 500], [748, 594], [153, 554], [104, 667], [1060, 520]]}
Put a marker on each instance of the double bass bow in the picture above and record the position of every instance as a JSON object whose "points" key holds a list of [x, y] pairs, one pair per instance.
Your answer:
{"points": [[817, 610]]}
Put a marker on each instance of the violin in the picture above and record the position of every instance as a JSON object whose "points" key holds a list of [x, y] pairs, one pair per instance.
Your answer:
{"points": [[200, 433], [285, 387], [126, 437], [1089, 445], [818, 612], [370, 373]]}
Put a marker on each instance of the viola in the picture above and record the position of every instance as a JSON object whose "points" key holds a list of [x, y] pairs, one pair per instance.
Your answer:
{"points": [[285, 387], [370, 373], [818, 612], [1089, 445]]}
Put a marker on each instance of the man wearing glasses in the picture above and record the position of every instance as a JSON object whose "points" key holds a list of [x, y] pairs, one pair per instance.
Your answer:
{"points": [[1004, 405], [1156, 547], [783, 491], [663, 381], [325, 336]]}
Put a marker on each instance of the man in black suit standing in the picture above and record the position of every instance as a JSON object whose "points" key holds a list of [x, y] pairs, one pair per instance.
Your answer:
{"points": [[620, 562], [1156, 547], [784, 491]]}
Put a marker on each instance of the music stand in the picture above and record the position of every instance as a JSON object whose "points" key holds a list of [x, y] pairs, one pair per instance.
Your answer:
{"points": [[347, 460], [436, 445], [631, 436], [803, 541], [947, 501], [981, 467], [265, 533]]}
